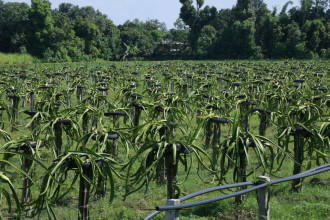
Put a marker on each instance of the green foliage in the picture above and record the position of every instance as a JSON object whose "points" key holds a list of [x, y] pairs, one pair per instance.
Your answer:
{"points": [[247, 31], [196, 19], [293, 41], [315, 35], [134, 34], [243, 5], [40, 23], [205, 42], [14, 19], [243, 46], [254, 32]]}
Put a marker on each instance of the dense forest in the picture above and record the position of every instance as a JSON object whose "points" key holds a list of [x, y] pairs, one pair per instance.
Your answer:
{"points": [[247, 31]]}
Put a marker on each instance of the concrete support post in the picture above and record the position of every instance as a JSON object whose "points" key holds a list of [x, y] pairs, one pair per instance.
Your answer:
{"points": [[172, 214], [263, 199]]}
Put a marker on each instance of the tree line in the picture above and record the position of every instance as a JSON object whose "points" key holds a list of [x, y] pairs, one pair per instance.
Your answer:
{"points": [[249, 30]]}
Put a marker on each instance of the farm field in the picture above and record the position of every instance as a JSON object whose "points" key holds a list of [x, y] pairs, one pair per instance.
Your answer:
{"points": [[113, 140]]}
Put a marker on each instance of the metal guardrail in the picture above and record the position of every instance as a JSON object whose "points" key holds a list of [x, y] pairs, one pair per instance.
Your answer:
{"points": [[258, 186]]}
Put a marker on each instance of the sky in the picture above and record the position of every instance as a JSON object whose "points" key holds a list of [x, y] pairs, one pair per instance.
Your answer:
{"points": [[166, 11]]}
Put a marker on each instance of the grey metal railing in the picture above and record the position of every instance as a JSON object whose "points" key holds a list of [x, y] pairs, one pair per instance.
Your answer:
{"points": [[263, 183]]}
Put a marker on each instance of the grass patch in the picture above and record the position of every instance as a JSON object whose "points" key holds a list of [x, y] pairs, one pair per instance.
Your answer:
{"points": [[17, 59]]}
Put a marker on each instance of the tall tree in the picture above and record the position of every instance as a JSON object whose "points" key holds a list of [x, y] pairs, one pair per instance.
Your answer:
{"points": [[320, 8], [135, 35], [86, 29], [180, 25], [315, 35], [155, 24], [241, 36], [109, 41], [206, 41], [284, 17], [305, 7], [41, 22], [293, 39], [196, 19], [243, 5], [271, 36], [200, 4], [260, 12], [285, 7], [14, 19]]}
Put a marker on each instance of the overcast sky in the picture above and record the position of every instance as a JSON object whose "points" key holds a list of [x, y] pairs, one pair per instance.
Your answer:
{"points": [[166, 11]]}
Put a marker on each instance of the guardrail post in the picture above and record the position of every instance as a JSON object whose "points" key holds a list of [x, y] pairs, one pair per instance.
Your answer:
{"points": [[174, 213], [263, 198]]}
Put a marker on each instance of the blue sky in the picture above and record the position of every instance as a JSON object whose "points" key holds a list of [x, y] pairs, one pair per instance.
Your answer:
{"points": [[166, 11]]}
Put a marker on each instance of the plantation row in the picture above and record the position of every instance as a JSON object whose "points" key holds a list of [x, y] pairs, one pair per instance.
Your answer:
{"points": [[142, 123]]}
